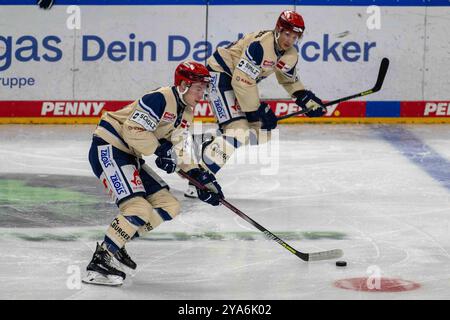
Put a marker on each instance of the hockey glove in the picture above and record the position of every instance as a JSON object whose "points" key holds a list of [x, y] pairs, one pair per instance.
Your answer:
{"points": [[214, 193], [45, 4], [165, 159], [308, 101], [265, 115]]}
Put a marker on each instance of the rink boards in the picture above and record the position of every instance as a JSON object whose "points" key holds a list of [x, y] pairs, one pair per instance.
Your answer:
{"points": [[89, 112], [115, 51]]}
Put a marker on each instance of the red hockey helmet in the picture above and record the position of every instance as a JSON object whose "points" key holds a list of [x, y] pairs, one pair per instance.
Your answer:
{"points": [[290, 21], [190, 72]]}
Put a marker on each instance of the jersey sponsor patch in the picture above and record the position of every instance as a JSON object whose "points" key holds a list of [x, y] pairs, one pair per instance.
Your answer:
{"points": [[138, 129], [212, 88], [234, 108], [107, 187], [216, 102], [134, 180], [145, 120], [105, 157], [243, 80], [280, 65], [118, 184], [218, 107], [283, 66], [268, 64], [168, 117], [112, 173], [236, 111], [249, 69], [185, 124]]}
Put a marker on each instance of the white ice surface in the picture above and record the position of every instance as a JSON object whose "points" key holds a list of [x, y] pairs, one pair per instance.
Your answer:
{"points": [[341, 178]]}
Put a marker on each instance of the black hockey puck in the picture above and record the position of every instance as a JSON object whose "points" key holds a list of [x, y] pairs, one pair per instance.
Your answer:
{"points": [[341, 263]]}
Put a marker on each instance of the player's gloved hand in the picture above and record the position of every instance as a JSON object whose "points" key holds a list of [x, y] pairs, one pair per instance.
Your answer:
{"points": [[307, 100], [165, 159], [45, 4], [214, 192], [265, 115]]}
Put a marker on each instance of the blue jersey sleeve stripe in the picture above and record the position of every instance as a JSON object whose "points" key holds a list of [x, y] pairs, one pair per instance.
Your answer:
{"points": [[255, 53], [292, 71], [153, 103], [148, 109]]}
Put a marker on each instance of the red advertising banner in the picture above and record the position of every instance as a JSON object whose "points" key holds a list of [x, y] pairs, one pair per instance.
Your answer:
{"points": [[88, 111], [425, 109]]}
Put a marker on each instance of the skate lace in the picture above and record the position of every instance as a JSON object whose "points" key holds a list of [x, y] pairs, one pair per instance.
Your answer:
{"points": [[107, 258]]}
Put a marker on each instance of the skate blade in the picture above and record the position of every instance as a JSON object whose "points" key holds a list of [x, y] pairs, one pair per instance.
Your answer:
{"points": [[93, 277]]}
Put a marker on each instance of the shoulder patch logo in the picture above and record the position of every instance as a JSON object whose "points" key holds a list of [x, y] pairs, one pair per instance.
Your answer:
{"points": [[283, 66], [280, 64], [185, 124]]}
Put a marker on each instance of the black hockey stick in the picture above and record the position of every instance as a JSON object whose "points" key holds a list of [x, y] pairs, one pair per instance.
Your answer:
{"points": [[314, 256], [381, 75]]}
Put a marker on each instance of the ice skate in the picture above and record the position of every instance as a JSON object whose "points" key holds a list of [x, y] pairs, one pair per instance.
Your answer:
{"points": [[101, 270]]}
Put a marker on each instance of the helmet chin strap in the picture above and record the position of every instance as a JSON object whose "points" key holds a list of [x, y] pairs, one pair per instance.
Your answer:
{"points": [[277, 36], [182, 93]]}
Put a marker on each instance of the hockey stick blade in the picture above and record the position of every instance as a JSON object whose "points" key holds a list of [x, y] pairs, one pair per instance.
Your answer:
{"points": [[384, 65], [381, 74], [380, 79], [325, 255]]}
